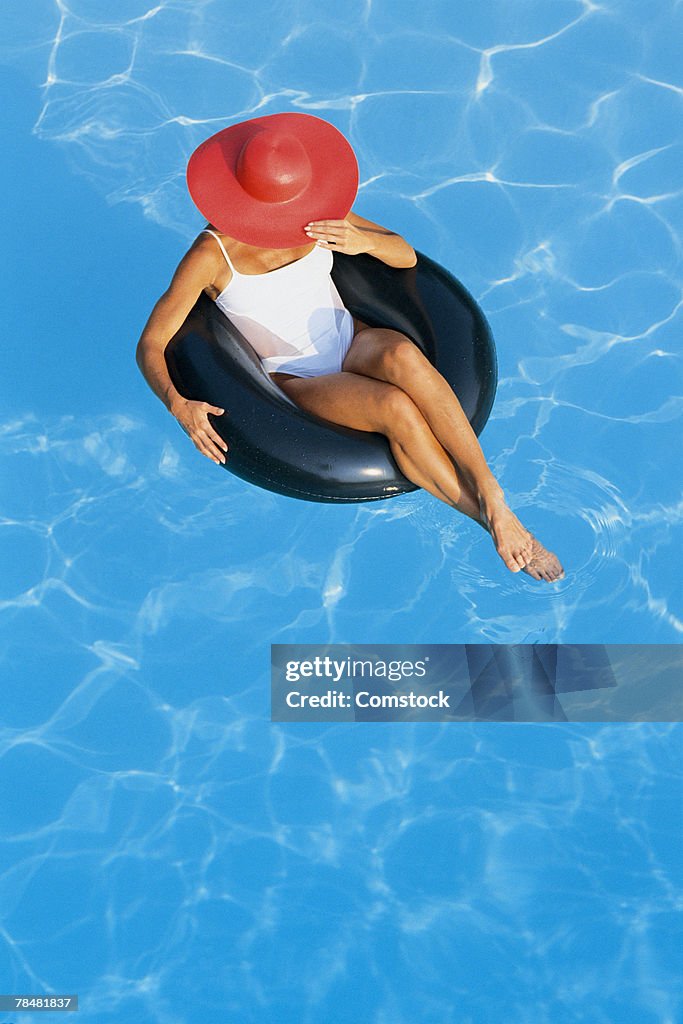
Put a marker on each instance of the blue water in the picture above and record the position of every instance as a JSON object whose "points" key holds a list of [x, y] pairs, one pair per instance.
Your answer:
{"points": [[168, 853]]}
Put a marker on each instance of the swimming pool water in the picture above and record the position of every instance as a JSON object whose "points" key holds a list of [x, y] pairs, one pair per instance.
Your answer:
{"points": [[170, 854]]}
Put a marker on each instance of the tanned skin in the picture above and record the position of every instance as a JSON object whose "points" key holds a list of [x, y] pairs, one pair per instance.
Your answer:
{"points": [[385, 385]]}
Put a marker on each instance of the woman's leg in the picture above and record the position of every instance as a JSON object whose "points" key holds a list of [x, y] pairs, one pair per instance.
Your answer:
{"points": [[469, 496], [359, 401], [390, 356]]}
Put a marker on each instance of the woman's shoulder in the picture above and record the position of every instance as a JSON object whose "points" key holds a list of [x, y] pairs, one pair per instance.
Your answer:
{"points": [[225, 239], [202, 259], [210, 239], [205, 247], [204, 236]]}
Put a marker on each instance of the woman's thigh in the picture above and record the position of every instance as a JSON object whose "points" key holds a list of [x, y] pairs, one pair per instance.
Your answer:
{"points": [[373, 346], [349, 399]]}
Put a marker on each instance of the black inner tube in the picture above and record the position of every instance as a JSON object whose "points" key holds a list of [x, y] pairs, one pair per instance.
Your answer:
{"points": [[277, 445]]}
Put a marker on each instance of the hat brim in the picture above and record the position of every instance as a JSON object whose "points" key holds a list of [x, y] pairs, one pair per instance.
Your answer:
{"points": [[219, 196]]}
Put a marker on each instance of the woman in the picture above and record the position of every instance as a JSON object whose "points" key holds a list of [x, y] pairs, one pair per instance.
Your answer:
{"points": [[277, 192]]}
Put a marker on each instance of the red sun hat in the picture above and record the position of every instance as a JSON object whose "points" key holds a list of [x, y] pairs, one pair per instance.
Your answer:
{"points": [[261, 181]]}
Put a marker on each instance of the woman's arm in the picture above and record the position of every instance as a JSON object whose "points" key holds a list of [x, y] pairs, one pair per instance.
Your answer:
{"points": [[356, 234], [195, 272]]}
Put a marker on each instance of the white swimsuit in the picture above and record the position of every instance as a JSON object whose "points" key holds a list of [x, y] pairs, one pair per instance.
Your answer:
{"points": [[293, 316]]}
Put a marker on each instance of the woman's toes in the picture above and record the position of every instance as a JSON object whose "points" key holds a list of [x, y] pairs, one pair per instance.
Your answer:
{"points": [[510, 561], [528, 554]]}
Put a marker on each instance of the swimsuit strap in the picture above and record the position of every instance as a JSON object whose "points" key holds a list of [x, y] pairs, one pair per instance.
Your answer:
{"points": [[209, 232]]}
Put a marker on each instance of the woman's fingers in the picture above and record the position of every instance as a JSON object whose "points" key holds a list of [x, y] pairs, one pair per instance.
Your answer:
{"points": [[194, 420], [327, 232], [212, 435], [209, 442], [324, 225], [216, 438], [328, 238], [326, 229], [208, 447], [201, 447], [210, 455], [213, 442], [338, 235]]}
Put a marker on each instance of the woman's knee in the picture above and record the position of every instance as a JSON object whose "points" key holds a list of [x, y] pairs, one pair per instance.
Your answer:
{"points": [[384, 353], [399, 415], [399, 357]]}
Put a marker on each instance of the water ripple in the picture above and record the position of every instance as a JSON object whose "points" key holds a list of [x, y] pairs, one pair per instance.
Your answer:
{"points": [[186, 858]]}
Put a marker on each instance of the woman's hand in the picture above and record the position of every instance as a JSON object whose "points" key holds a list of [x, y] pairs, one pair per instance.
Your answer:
{"points": [[193, 418], [356, 234], [339, 235]]}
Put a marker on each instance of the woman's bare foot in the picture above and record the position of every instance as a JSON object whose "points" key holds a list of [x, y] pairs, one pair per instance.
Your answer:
{"points": [[543, 564], [518, 548]]}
